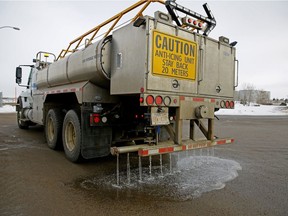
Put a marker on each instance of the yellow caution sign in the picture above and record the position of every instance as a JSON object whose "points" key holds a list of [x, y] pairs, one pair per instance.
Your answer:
{"points": [[174, 56]]}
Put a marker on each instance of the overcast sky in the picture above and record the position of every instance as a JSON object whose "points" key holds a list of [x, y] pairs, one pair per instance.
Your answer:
{"points": [[260, 27]]}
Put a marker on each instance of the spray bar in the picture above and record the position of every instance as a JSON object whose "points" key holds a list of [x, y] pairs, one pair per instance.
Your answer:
{"points": [[168, 147]]}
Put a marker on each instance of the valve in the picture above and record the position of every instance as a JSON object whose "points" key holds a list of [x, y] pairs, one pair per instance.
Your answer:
{"points": [[201, 111]]}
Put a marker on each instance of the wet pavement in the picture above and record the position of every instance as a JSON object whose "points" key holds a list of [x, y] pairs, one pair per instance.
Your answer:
{"points": [[189, 178], [249, 177]]}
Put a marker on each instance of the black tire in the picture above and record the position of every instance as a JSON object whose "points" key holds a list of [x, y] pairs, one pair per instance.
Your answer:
{"points": [[71, 135], [53, 128], [19, 108]]}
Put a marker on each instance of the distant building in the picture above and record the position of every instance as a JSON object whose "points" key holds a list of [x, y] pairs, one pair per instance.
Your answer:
{"points": [[253, 96]]}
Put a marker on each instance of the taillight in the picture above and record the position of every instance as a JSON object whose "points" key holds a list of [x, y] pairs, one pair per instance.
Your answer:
{"points": [[150, 100], [227, 104], [232, 104], [138, 116], [104, 119], [158, 100], [167, 101], [94, 118], [222, 104]]}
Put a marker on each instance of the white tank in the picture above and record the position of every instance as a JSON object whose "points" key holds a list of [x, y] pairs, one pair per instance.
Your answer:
{"points": [[91, 63]]}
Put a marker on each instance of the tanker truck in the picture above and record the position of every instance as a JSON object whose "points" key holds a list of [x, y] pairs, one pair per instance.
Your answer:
{"points": [[135, 89]]}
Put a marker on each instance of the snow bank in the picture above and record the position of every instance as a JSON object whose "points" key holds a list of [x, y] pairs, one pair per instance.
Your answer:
{"points": [[7, 109], [261, 110], [239, 110]]}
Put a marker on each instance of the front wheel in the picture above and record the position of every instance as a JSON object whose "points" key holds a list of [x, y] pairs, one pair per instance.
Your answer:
{"points": [[71, 135], [21, 124]]}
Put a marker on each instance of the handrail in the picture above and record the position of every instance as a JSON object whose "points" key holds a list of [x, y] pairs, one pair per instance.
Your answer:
{"points": [[237, 73], [115, 18]]}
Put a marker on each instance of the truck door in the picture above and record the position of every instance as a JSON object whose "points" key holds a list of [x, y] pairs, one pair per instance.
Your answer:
{"points": [[216, 68]]}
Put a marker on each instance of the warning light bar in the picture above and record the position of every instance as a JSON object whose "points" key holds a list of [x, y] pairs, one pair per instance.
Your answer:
{"points": [[187, 21], [172, 6]]}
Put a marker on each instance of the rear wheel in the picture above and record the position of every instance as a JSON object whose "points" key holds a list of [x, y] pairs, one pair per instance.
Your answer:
{"points": [[71, 134], [53, 128], [21, 124]]}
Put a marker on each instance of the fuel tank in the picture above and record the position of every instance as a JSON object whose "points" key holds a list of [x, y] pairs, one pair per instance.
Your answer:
{"points": [[91, 63]]}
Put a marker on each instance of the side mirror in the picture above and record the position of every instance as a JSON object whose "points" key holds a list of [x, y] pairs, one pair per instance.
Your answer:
{"points": [[18, 75]]}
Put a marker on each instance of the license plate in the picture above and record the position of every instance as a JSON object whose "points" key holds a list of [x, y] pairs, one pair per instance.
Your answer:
{"points": [[159, 118]]}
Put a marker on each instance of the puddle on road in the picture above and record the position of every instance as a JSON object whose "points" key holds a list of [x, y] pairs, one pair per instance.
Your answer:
{"points": [[189, 178]]}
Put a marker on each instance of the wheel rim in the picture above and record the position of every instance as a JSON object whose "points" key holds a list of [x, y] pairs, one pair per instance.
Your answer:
{"points": [[50, 129], [19, 117], [70, 136]]}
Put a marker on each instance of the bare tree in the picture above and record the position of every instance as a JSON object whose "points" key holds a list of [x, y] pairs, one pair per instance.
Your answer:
{"points": [[248, 96]]}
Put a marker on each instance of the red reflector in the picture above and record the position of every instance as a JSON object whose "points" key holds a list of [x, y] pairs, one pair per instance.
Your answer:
{"points": [[189, 20], [141, 99], [175, 101], [232, 104], [142, 90], [221, 142], [200, 24], [149, 99], [194, 22], [158, 100], [166, 150], [143, 152], [227, 104]]}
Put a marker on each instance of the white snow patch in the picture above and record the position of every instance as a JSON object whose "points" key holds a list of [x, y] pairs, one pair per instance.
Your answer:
{"points": [[7, 109], [259, 110]]}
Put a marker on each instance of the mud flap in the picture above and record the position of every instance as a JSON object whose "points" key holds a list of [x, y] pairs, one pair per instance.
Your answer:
{"points": [[96, 141]]}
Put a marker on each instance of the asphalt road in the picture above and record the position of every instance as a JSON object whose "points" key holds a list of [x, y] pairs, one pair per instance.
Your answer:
{"points": [[35, 180]]}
